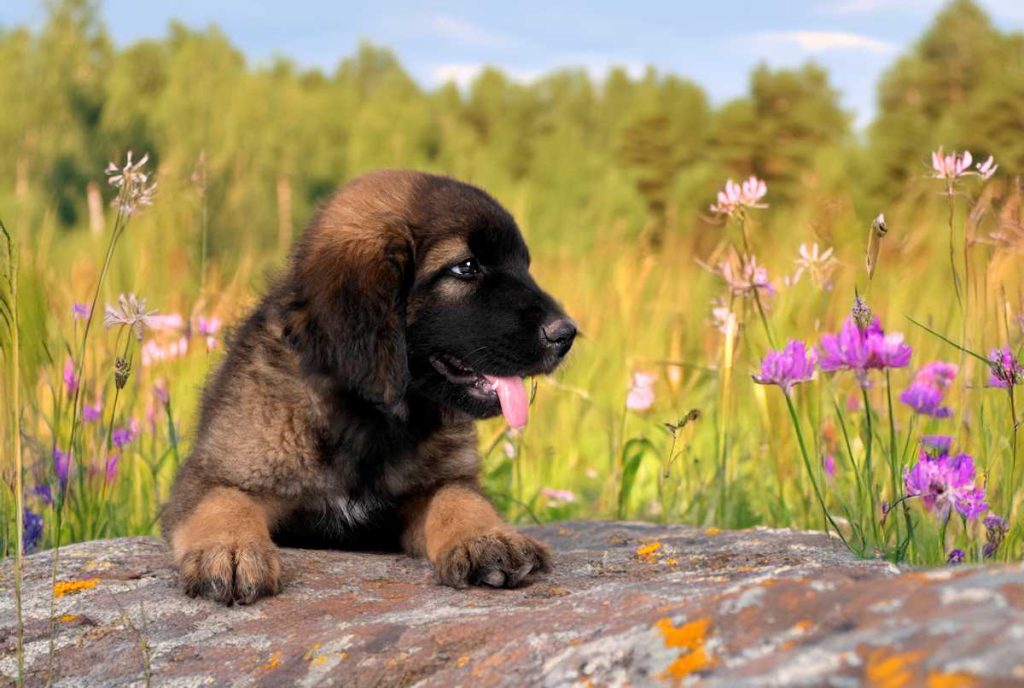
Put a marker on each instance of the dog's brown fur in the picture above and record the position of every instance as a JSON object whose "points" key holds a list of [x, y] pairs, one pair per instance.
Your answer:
{"points": [[314, 378]]}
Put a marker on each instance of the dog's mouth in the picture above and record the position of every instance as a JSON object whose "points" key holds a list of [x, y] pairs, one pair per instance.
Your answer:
{"points": [[508, 391]]}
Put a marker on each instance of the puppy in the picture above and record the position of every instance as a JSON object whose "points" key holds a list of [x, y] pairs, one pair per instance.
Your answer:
{"points": [[342, 415]]}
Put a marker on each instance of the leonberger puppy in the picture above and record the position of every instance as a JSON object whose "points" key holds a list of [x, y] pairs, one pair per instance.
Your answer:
{"points": [[343, 413]]}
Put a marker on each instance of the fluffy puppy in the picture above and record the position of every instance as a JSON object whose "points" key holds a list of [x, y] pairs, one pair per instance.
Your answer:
{"points": [[342, 415]]}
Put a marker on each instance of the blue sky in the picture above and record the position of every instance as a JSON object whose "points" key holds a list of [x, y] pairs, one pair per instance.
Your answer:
{"points": [[714, 43]]}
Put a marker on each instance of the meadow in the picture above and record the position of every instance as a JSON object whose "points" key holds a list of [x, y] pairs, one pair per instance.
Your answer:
{"points": [[730, 372]]}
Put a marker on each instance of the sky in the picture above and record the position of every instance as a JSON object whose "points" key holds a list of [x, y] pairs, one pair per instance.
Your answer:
{"points": [[713, 43]]}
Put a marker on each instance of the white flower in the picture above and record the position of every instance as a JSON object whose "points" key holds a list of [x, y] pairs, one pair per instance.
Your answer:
{"points": [[131, 313], [134, 189], [818, 264]]}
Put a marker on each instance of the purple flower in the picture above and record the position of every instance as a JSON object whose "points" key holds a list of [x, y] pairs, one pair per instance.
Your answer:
{"points": [[111, 467], [92, 412], [44, 493], [938, 444], [790, 366], [70, 379], [862, 349], [125, 436], [61, 466], [956, 556], [995, 533], [945, 482], [80, 311], [33, 532], [829, 464], [925, 394], [1005, 371]]}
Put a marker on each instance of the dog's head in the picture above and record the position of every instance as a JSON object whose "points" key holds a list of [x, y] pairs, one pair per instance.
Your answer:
{"points": [[409, 282]]}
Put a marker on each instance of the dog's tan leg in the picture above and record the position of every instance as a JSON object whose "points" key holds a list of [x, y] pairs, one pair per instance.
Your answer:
{"points": [[458, 531], [223, 547]]}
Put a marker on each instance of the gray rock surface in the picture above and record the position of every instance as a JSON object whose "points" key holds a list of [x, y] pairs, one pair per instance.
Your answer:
{"points": [[628, 604]]}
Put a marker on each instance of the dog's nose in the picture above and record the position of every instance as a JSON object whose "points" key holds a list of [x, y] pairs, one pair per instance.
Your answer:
{"points": [[559, 334]]}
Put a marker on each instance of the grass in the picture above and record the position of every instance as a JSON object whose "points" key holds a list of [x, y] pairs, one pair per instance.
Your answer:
{"points": [[714, 449]]}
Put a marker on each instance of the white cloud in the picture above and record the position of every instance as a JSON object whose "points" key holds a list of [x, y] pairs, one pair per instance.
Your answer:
{"points": [[464, 32], [824, 41], [461, 75], [597, 67], [869, 6]]}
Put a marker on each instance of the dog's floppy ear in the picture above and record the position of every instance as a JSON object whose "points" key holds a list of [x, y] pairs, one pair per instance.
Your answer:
{"points": [[351, 278]]}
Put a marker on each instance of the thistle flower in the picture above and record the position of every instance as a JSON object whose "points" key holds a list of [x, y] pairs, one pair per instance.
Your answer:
{"points": [[925, 394], [131, 312], [790, 366], [61, 466], [557, 497], [946, 482], [1005, 370], [70, 379], [132, 183], [33, 530], [641, 393], [995, 533], [735, 198], [819, 266], [955, 557]]}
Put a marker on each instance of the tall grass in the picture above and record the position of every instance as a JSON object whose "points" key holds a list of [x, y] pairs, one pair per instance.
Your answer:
{"points": [[713, 449]]}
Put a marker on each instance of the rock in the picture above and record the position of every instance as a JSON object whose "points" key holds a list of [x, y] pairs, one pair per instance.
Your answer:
{"points": [[628, 603]]}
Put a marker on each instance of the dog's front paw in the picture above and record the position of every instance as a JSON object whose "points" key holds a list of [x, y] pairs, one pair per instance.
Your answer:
{"points": [[231, 571], [501, 559]]}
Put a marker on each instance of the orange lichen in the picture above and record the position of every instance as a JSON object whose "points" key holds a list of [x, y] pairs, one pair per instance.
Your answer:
{"points": [[649, 553], [273, 663], [887, 669], [691, 639], [67, 618], [803, 626], [462, 661], [66, 587], [957, 680], [712, 531]]}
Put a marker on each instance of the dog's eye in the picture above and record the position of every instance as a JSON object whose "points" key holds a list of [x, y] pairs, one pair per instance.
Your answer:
{"points": [[466, 268]]}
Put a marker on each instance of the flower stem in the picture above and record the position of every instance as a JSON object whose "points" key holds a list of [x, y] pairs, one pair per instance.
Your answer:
{"points": [[807, 464]]}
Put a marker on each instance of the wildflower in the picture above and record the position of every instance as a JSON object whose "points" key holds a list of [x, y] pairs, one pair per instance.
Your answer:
{"points": [[938, 444], [171, 321], [955, 557], [862, 349], [131, 312], [134, 189], [111, 468], [987, 169], [80, 311], [995, 533], [44, 493], [61, 466], [951, 166], [744, 278], [70, 379], [154, 352], [92, 412], [829, 465], [790, 366], [208, 327], [161, 391], [946, 482], [641, 393], [557, 497], [720, 315], [735, 198], [925, 394], [819, 266], [124, 436], [33, 530], [1005, 370]]}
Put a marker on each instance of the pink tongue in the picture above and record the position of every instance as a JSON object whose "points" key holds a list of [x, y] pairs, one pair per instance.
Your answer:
{"points": [[512, 396]]}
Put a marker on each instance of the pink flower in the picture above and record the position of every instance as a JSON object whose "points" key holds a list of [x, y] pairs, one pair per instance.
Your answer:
{"points": [[1005, 370], [946, 482], [152, 352], [737, 197], [641, 393], [92, 412], [860, 350], [789, 367], [171, 321], [952, 166], [744, 278], [70, 379], [80, 311], [925, 394], [988, 168], [829, 465], [557, 497]]}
